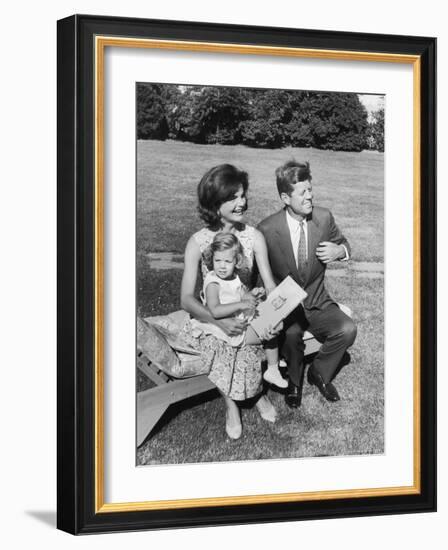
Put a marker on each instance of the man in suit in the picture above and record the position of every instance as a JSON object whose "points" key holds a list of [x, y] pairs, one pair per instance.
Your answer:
{"points": [[301, 240]]}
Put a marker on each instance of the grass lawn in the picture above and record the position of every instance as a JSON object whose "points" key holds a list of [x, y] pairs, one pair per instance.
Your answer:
{"points": [[351, 185]]}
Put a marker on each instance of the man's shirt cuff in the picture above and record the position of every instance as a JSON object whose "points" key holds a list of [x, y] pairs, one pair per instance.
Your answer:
{"points": [[347, 256]]}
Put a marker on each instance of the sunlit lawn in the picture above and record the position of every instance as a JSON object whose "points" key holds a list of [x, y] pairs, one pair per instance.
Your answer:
{"points": [[351, 185]]}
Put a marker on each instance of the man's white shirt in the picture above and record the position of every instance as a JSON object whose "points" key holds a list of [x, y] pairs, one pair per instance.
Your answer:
{"points": [[294, 232]]}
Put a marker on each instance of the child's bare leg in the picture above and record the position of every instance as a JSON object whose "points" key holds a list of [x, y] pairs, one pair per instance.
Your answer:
{"points": [[272, 356], [272, 373]]}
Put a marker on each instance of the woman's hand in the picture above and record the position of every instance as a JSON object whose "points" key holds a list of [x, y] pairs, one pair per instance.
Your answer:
{"points": [[233, 326], [277, 329], [271, 332]]}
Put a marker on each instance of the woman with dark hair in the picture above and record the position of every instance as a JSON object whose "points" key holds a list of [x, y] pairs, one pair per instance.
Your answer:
{"points": [[236, 371]]}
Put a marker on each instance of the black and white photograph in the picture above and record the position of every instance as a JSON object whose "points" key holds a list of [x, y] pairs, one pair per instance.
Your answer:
{"points": [[259, 273]]}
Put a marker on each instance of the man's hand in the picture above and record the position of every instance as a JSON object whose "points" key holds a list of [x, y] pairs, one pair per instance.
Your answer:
{"points": [[329, 252], [233, 326]]}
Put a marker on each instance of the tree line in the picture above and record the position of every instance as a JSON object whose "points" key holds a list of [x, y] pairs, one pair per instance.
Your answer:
{"points": [[257, 117]]}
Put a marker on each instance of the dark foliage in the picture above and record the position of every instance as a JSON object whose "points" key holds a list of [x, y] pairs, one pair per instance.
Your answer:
{"points": [[151, 119], [376, 130], [268, 113], [209, 115], [253, 117]]}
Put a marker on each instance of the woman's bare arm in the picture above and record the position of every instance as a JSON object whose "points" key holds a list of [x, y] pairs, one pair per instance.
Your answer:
{"points": [[188, 300], [261, 255]]}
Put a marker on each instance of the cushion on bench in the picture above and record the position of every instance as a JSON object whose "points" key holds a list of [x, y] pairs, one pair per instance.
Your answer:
{"points": [[155, 347], [158, 338], [171, 326], [182, 362]]}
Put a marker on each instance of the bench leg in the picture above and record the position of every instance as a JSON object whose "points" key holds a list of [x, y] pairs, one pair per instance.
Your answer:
{"points": [[147, 418], [152, 403]]}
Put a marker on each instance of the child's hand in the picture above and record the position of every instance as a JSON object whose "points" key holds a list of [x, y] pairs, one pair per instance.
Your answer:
{"points": [[248, 309], [249, 298], [258, 292]]}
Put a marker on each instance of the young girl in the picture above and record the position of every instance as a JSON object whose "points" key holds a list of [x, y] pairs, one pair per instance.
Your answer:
{"points": [[225, 296]]}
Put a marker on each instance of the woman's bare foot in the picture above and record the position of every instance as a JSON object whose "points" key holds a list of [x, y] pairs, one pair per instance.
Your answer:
{"points": [[233, 420], [266, 409]]}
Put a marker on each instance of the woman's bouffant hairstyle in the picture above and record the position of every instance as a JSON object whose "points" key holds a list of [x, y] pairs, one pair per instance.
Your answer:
{"points": [[290, 173], [224, 241], [219, 185]]}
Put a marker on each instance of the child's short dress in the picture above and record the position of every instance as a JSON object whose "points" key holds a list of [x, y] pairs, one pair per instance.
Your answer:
{"points": [[230, 291], [235, 371]]}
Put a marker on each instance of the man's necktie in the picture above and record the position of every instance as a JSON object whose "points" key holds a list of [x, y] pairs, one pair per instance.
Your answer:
{"points": [[301, 255]]}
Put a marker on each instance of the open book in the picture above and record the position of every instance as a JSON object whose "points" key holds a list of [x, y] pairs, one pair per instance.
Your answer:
{"points": [[278, 305]]}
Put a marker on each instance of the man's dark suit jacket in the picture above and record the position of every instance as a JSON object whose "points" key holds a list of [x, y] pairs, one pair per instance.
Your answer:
{"points": [[321, 227]]}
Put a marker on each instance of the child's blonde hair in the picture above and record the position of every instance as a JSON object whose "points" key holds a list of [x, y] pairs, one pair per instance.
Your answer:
{"points": [[224, 241]]}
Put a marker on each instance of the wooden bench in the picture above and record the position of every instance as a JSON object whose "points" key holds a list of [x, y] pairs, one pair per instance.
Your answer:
{"points": [[153, 402]]}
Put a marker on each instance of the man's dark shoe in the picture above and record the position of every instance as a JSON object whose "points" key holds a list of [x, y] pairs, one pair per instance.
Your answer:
{"points": [[293, 396], [327, 390]]}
